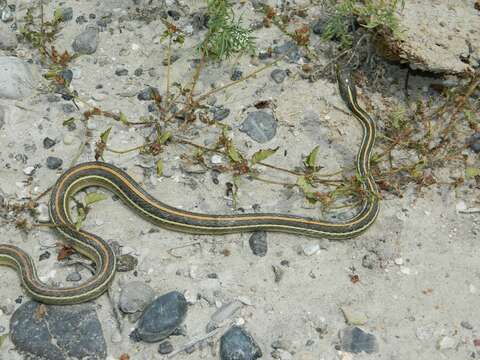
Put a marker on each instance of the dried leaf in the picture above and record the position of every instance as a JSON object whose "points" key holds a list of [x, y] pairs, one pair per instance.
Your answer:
{"points": [[40, 312], [262, 155], [65, 252]]}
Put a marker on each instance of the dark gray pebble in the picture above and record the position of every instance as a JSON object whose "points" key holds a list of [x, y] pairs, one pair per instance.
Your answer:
{"points": [[138, 72], [355, 340], [126, 263], [237, 344], [236, 75], [68, 108], [81, 20], [54, 162], [278, 75], [86, 42], [318, 27], [67, 14], [161, 317], [260, 126], [66, 75], [58, 332], [165, 347], [75, 276], [219, 112], [474, 142], [121, 72], [258, 243], [148, 94], [291, 49], [174, 14]]}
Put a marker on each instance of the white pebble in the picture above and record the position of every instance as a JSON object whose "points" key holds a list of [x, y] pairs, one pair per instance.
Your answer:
{"points": [[190, 297], [29, 170], [311, 249], [398, 261], [446, 342], [42, 213], [405, 270], [472, 288], [217, 159], [68, 139], [461, 206]]}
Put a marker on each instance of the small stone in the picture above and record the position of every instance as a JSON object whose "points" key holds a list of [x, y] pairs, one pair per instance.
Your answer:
{"points": [[41, 212], [135, 296], [54, 162], [237, 344], [260, 126], [398, 261], [161, 317], [310, 248], [474, 142], [466, 325], [138, 72], [68, 108], [67, 14], [355, 340], [278, 272], [318, 27], [66, 75], [290, 48], [68, 139], [258, 243], [219, 113], [354, 317], [165, 347], [126, 263], [446, 342], [86, 42], [150, 93], [370, 261], [174, 14], [6, 14], [281, 354], [29, 170], [236, 75], [75, 276], [278, 75], [48, 143], [121, 72], [57, 332], [216, 159]]}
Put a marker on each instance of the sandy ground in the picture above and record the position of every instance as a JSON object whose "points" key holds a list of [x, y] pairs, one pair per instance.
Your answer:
{"points": [[424, 281]]}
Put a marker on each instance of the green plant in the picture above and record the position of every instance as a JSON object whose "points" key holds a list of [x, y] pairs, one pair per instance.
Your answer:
{"points": [[226, 36], [370, 14]]}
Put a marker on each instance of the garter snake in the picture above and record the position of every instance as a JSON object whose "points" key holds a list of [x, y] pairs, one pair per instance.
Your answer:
{"points": [[116, 180]]}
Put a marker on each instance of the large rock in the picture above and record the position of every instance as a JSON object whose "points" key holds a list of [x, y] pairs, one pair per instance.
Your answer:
{"points": [[58, 332], [437, 36], [17, 78]]}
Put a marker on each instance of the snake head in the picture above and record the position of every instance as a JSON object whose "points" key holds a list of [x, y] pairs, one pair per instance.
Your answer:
{"points": [[346, 86]]}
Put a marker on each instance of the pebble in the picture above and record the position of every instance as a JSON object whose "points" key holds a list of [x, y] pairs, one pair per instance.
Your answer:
{"points": [[236, 75], [278, 75], [216, 159], [161, 317], [318, 27], [310, 248], [6, 14], [260, 126], [165, 347], [41, 213], [17, 80], [238, 344], [219, 113], [281, 354], [258, 243], [126, 263], [58, 332], [68, 139], [74, 276], [67, 14], [54, 162], [446, 342], [148, 93], [355, 340], [86, 42], [474, 142], [48, 143], [135, 296], [370, 261], [290, 48], [121, 72], [29, 170], [466, 325], [354, 317], [68, 108], [67, 76], [8, 40]]}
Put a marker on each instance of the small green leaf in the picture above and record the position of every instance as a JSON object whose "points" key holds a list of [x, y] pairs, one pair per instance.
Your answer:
{"points": [[94, 197], [302, 183], [311, 160], [123, 119], [68, 121], [167, 135], [3, 338], [233, 153], [58, 15], [81, 216], [105, 134], [471, 172], [159, 167], [262, 155]]}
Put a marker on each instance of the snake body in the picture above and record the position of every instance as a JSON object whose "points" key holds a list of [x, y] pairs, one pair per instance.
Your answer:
{"points": [[116, 180]]}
